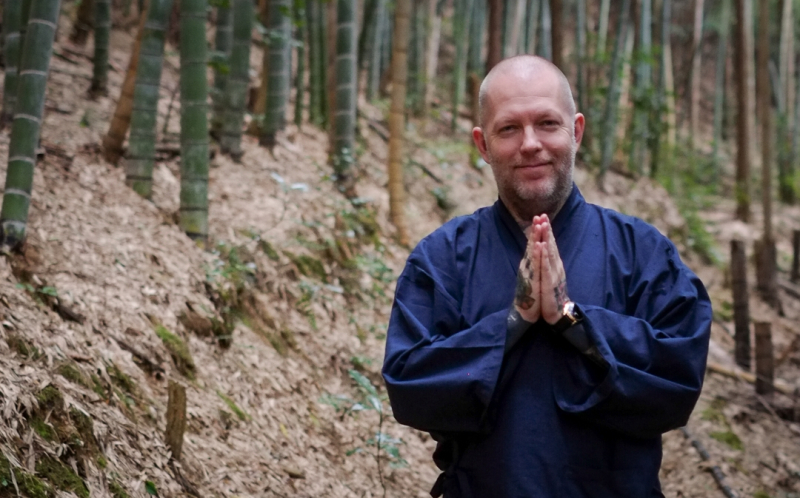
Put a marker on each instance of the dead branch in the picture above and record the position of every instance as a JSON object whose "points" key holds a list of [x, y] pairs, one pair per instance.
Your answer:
{"points": [[780, 386], [715, 470], [789, 288]]}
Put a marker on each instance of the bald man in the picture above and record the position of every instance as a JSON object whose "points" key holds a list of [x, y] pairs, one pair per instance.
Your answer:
{"points": [[544, 342]]}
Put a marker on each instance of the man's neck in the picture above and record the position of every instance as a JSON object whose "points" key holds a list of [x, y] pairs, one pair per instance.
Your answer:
{"points": [[525, 223]]}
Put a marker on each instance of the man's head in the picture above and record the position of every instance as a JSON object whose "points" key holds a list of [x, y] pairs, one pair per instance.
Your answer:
{"points": [[529, 133]]}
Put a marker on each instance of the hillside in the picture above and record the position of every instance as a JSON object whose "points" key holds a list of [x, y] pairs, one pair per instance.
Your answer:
{"points": [[110, 302]]}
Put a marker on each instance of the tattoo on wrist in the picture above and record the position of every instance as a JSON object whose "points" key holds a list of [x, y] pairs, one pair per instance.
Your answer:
{"points": [[522, 297], [560, 292]]}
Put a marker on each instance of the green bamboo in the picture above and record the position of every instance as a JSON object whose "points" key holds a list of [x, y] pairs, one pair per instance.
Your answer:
{"points": [[475, 64], [461, 19], [508, 20], [223, 39], [280, 70], [299, 96], [344, 122], [719, 93], [378, 42], [230, 141], [12, 19], [102, 28], [194, 120], [658, 125], [416, 52], [316, 67], [34, 66], [580, 42], [602, 26], [642, 92], [367, 35], [612, 103], [532, 25], [545, 44], [142, 140]]}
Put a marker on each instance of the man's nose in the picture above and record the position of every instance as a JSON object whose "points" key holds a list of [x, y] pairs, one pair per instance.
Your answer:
{"points": [[530, 140]]}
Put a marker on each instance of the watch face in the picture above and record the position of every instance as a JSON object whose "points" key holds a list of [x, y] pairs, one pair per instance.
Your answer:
{"points": [[569, 309]]}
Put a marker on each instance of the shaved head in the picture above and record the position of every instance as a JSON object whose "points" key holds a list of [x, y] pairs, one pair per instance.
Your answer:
{"points": [[528, 67]]}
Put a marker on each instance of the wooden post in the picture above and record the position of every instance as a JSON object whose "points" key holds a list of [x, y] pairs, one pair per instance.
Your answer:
{"points": [[765, 362], [741, 309], [795, 256], [176, 418], [766, 271]]}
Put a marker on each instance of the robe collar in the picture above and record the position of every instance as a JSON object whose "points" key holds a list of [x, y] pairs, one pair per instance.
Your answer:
{"points": [[560, 222]]}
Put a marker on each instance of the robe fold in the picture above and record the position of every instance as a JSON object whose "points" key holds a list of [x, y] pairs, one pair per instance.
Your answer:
{"points": [[542, 420]]}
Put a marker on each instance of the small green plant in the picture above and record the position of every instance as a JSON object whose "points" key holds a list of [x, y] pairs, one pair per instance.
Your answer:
{"points": [[370, 400], [729, 438], [303, 305], [61, 476], [116, 489], [179, 351], [240, 414]]}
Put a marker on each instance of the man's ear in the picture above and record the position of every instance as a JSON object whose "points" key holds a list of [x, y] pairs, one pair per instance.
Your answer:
{"points": [[580, 126], [480, 142]]}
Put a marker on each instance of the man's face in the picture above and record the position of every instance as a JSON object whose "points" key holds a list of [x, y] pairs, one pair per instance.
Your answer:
{"points": [[530, 138]]}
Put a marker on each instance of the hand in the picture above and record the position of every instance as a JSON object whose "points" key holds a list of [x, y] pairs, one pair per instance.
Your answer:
{"points": [[527, 299], [541, 279], [553, 276]]}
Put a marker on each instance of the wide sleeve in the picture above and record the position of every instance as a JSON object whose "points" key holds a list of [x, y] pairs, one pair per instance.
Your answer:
{"points": [[440, 371], [656, 351]]}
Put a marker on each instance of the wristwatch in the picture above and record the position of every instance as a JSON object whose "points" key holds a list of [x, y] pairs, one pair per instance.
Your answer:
{"points": [[570, 315]]}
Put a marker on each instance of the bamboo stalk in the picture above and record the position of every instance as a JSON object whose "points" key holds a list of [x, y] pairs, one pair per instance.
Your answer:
{"points": [[12, 45], [112, 141], [765, 360], [25, 129], [741, 306], [278, 71], [102, 29], [612, 103], [397, 120], [344, 120], [238, 80], [223, 41], [194, 121], [142, 143], [176, 415]]}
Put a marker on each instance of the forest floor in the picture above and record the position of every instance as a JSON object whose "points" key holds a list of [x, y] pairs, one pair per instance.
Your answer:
{"points": [[301, 280]]}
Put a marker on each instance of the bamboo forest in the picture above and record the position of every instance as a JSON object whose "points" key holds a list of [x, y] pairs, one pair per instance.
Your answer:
{"points": [[208, 205]]}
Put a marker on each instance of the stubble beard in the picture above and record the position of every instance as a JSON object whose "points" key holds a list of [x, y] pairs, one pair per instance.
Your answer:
{"points": [[527, 201]]}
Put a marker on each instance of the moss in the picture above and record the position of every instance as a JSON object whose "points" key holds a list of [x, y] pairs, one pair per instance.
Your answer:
{"points": [[307, 265], [178, 350], [23, 347], [61, 476], [98, 387], [50, 398], [29, 486], [85, 428], [729, 438], [116, 489], [70, 372], [714, 411], [761, 494], [270, 251], [241, 414], [121, 379], [102, 461], [43, 429]]}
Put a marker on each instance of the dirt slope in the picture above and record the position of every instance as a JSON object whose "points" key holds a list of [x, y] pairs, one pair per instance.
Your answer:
{"points": [[301, 282]]}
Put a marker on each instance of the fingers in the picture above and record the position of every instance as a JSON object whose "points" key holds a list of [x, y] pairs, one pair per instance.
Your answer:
{"points": [[553, 282], [526, 298]]}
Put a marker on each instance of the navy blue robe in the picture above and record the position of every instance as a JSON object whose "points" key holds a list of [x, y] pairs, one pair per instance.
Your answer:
{"points": [[542, 420]]}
